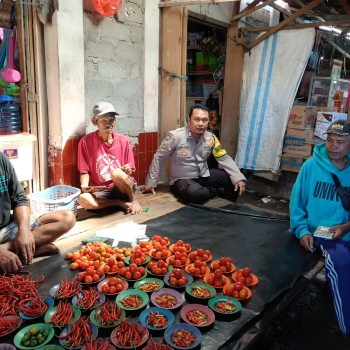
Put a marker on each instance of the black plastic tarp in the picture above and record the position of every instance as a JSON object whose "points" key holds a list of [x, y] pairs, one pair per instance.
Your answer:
{"points": [[249, 237]]}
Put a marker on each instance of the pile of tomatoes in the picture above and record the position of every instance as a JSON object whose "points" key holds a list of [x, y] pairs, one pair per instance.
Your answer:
{"points": [[177, 278], [181, 247], [160, 252], [159, 240], [236, 290], [216, 279], [132, 272], [159, 268], [178, 259], [245, 276], [96, 254], [138, 257], [224, 264], [90, 275], [114, 285], [200, 254], [198, 268]]}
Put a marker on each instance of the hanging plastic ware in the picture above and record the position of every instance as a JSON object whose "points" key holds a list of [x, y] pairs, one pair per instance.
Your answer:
{"points": [[105, 8], [10, 74]]}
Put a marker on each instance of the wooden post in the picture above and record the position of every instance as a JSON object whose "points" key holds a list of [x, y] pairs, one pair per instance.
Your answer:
{"points": [[232, 86]]}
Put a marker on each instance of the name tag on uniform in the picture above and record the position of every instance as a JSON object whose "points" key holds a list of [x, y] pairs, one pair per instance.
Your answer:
{"points": [[183, 153]]}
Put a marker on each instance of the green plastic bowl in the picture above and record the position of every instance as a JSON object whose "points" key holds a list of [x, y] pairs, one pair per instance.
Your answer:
{"points": [[51, 312], [40, 326], [51, 347], [142, 295], [94, 321]]}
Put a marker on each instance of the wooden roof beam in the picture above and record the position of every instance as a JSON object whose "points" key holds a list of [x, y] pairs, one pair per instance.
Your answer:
{"points": [[192, 2], [345, 5], [281, 25], [340, 22], [251, 8]]}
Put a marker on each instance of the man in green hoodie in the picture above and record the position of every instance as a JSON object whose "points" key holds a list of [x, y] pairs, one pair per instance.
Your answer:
{"points": [[315, 203]]}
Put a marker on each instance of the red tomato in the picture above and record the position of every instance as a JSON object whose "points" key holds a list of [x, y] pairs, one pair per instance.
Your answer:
{"points": [[105, 288], [246, 272], [243, 294], [112, 290], [218, 273], [238, 286], [88, 279], [80, 276], [111, 262], [95, 277], [90, 271], [136, 275], [74, 266]]}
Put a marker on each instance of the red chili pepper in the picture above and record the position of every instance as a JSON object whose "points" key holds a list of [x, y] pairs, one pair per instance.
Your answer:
{"points": [[131, 301], [108, 314], [79, 333], [197, 317], [63, 316], [166, 301], [183, 338], [127, 335], [157, 320], [225, 307]]}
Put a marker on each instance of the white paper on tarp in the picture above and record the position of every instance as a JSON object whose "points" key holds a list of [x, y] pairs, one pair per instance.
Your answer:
{"points": [[128, 231], [271, 76]]}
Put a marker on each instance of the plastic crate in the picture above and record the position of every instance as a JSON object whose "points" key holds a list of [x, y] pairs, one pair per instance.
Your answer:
{"points": [[59, 197]]}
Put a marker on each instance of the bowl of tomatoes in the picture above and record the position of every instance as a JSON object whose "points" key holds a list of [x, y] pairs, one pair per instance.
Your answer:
{"points": [[200, 254], [197, 269], [159, 268], [133, 273], [225, 264], [178, 279], [216, 279], [245, 276], [112, 286], [180, 246], [238, 291]]}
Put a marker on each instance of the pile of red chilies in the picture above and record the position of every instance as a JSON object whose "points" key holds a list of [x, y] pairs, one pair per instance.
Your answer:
{"points": [[7, 326], [152, 345], [14, 290], [99, 344], [63, 316], [78, 334], [127, 335], [87, 298], [67, 289], [108, 314], [33, 307]]}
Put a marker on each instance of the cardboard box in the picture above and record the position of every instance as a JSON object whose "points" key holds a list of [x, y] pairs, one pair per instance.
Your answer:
{"points": [[304, 149], [302, 135], [302, 117], [291, 163], [19, 149], [324, 119]]}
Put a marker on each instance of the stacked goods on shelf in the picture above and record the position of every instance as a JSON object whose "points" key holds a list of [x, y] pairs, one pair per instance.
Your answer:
{"points": [[331, 68], [298, 142], [324, 119]]}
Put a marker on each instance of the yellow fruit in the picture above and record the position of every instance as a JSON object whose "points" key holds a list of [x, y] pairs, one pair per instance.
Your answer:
{"points": [[33, 330]]}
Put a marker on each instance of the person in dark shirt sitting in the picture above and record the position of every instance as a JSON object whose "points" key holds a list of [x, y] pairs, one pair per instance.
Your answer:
{"points": [[24, 236]]}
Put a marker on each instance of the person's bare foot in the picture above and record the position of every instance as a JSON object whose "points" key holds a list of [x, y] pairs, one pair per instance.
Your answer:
{"points": [[135, 207], [46, 249], [126, 206]]}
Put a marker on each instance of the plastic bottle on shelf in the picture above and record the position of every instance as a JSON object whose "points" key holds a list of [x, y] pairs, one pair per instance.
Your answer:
{"points": [[213, 105], [10, 116]]}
